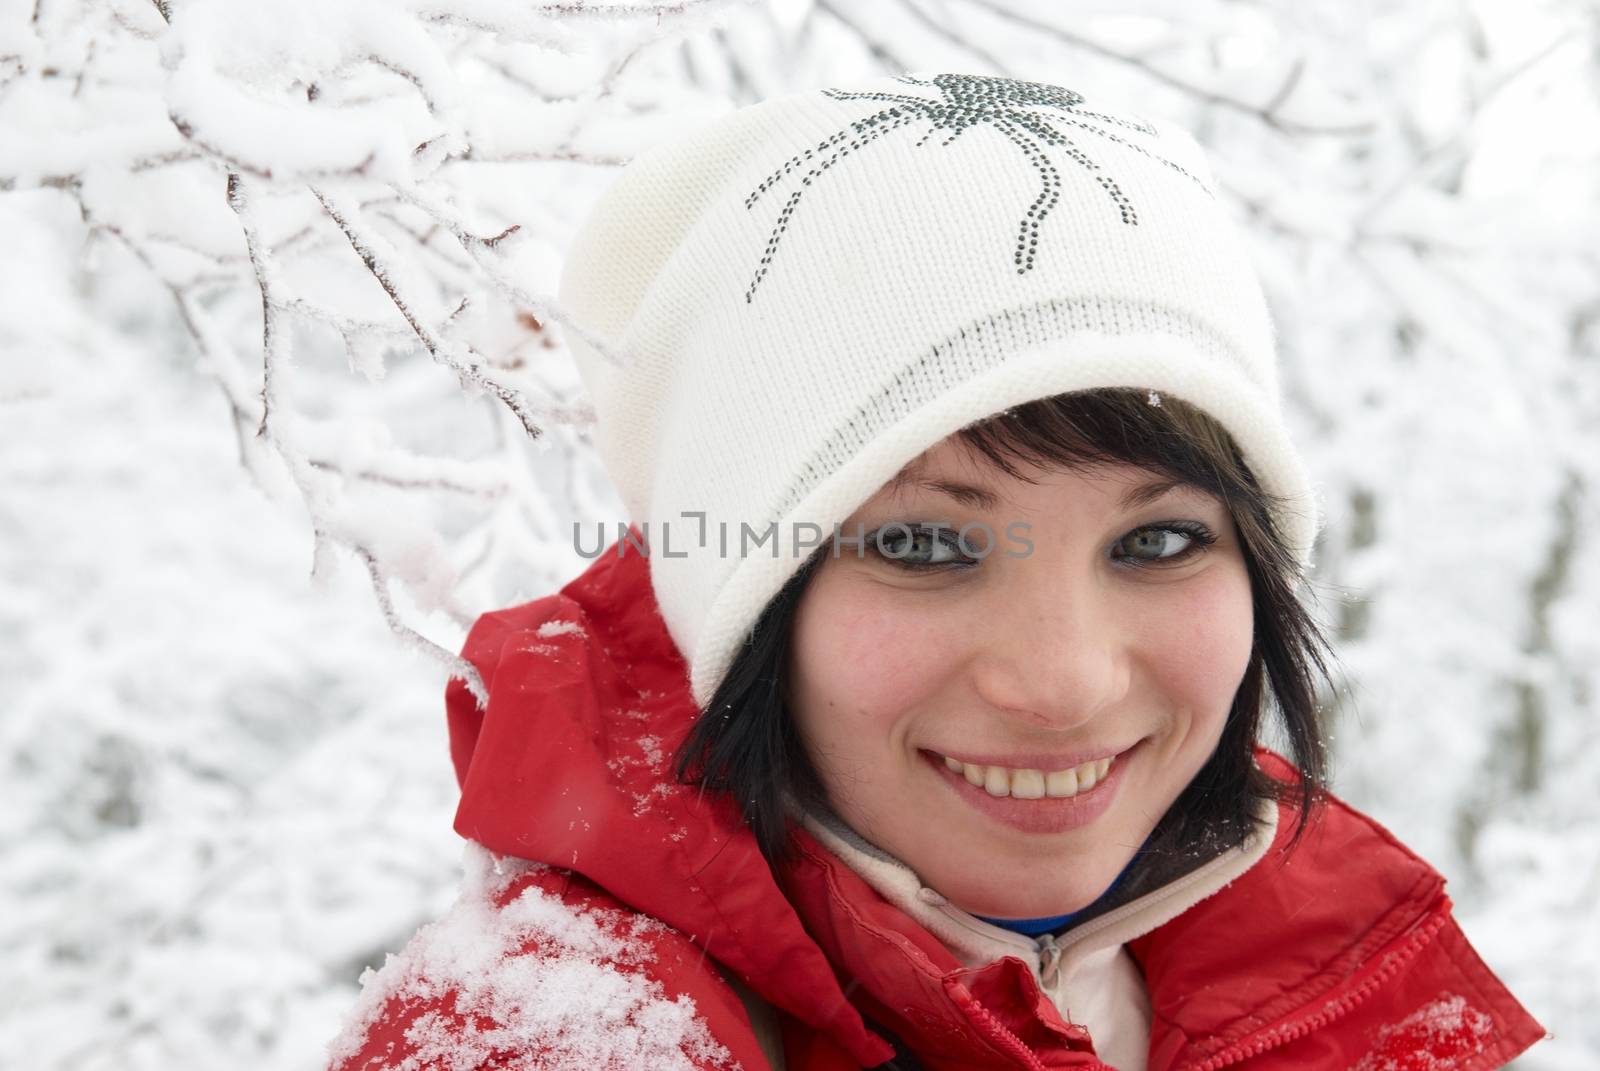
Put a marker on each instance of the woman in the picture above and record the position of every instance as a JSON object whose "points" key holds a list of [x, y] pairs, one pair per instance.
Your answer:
{"points": [[914, 721]]}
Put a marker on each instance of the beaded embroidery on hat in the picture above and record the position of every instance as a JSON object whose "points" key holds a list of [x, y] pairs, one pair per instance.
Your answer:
{"points": [[1009, 105]]}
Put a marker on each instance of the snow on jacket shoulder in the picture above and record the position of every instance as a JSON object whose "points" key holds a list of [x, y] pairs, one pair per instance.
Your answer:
{"points": [[536, 967], [614, 946]]}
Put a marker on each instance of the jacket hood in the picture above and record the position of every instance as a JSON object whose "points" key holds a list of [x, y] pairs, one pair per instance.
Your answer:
{"points": [[569, 764]]}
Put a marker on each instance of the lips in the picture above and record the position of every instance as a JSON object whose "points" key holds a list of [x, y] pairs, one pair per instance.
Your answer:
{"points": [[1031, 782], [1045, 814]]}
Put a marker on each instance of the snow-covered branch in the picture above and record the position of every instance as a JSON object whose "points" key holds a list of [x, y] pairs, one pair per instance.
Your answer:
{"points": [[311, 122]]}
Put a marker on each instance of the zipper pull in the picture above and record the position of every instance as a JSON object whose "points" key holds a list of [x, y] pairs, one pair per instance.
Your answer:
{"points": [[1049, 959]]}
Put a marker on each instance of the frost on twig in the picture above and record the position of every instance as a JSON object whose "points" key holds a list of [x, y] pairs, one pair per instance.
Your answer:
{"points": [[460, 359], [458, 666]]}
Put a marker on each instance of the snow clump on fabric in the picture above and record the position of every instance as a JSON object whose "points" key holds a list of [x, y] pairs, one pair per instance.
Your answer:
{"points": [[530, 976], [1441, 1034]]}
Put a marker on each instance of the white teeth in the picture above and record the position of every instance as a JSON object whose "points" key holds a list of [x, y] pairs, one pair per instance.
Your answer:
{"points": [[1088, 776], [1032, 784], [1062, 783], [1027, 784]]}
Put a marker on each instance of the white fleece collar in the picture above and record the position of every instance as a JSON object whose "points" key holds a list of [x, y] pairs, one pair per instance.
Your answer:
{"points": [[975, 942]]}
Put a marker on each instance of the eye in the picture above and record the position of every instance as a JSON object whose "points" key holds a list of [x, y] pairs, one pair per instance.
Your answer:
{"points": [[1165, 543], [917, 546]]}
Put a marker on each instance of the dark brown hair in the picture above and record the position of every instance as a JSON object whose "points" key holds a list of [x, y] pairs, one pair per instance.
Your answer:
{"points": [[745, 741]]}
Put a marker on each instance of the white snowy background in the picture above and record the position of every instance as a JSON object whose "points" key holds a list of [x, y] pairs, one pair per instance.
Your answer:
{"points": [[236, 557]]}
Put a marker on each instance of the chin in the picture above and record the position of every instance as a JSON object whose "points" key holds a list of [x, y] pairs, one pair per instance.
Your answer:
{"points": [[1030, 903]]}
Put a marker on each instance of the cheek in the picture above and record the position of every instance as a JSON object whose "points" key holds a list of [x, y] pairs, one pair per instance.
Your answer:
{"points": [[1204, 646], [859, 663]]}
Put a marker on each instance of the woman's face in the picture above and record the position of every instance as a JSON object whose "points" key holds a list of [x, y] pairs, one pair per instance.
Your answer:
{"points": [[1119, 635]]}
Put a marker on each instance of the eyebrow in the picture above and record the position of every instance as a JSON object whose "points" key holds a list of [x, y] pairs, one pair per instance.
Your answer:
{"points": [[1146, 493], [970, 495]]}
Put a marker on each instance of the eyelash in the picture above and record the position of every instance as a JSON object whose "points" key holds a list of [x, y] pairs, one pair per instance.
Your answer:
{"points": [[1200, 537]]}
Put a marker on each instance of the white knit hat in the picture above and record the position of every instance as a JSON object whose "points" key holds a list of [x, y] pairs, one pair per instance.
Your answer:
{"points": [[810, 291]]}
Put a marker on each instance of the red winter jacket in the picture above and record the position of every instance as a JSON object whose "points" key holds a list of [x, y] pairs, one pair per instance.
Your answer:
{"points": [[615, 947]]}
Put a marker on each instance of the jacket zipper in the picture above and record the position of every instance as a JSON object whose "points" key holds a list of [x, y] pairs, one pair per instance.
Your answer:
{"points": [[1002, 1036], [1295, 1031], [1006, 1039], [1049, 959]]}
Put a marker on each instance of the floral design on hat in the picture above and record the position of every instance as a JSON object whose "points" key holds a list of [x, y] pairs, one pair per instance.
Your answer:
{"points": [[1009, 105]]}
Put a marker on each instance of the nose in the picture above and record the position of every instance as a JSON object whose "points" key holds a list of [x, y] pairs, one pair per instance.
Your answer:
{"points": [[1055, 653]]}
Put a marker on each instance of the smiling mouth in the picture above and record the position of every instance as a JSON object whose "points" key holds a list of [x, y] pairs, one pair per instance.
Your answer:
{"points": [[1031, 784]]}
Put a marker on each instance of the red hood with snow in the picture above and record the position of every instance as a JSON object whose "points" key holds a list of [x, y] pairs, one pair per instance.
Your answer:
{"points": [[1340, 954]]}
